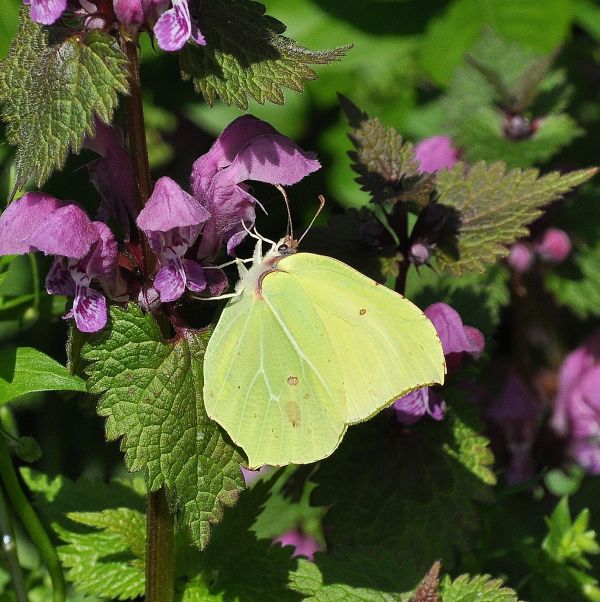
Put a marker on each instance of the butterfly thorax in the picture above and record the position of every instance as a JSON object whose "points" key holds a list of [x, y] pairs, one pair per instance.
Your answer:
{"points": [[251, 279]]}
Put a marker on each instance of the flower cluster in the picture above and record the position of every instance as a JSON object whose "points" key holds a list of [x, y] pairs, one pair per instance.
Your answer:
{"points": [[553, 248], [576, 414], [186, 231], [457, 341], [170, 20]]}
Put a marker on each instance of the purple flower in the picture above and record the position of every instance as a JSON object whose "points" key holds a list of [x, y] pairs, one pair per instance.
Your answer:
{"points": [[248, 149], [175, 27], [457, 340], [172, 220], [85, 251], [112, 176], [517, 412], [521, 257], [576, 413], [555, 246], [435, 153], [251, 475], [304, 545], [46, 12]]}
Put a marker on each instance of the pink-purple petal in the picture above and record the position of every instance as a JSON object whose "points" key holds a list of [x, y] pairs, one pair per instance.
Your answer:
{"points": [[89, 310], [170, 281], [555, 246], [170, 207], [46, 12], [453, 334], [413, 406], [39, 222], [59, 280], [174, 27], [273, 159], [194, 275]]}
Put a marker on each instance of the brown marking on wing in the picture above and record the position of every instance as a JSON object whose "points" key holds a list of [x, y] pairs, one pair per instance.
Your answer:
{"points": [[292, 411]]}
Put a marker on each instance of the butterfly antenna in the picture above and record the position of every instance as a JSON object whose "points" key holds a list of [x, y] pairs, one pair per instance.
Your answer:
{"points": [[312, 221], [290, 227]]}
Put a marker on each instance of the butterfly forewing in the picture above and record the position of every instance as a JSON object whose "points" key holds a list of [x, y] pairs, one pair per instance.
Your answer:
{"points": [[385, 346]]}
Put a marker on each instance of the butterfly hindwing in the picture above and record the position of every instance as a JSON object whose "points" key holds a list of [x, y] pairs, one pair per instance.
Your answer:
{"points": [[270, 376]]}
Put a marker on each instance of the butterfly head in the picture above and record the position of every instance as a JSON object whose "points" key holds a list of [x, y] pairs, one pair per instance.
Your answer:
{"points": [[287, 246]]}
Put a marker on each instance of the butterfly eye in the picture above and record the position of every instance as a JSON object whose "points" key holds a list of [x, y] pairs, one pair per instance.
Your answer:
{"points": [[283, 248]]}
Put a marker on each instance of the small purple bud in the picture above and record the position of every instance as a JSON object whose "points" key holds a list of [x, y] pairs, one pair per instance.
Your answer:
{"points": [[517, 127], [520, 258], [419, 254], [555, 246]]}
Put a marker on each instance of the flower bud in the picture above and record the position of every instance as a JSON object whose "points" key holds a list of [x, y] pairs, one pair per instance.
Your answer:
{"points": [[419, 254], [520, 258], [555, 246]]}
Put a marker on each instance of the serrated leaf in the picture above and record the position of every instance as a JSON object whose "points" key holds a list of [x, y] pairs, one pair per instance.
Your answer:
{"points": [[478, 588], [240, 566], [246, 55], [151, 395], [27, 370], [104, 537], [502, 79], [52, 89], [410, 499], [494, 207], [386, 165]]}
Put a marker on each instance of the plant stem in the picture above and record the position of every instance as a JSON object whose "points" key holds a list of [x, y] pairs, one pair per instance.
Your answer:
{"points": [[31, 522], [399, 223], [160, 532], [9, 547]]}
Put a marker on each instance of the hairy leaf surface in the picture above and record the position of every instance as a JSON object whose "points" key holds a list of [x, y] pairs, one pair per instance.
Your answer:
{"points": [[103, 530], [51, 89], [246, 55], [151, 394], [478, 588], [494, 206]]}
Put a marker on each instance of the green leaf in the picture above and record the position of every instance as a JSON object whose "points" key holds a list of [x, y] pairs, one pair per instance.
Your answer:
{"points": [[538, 24], [478, 588], [151, 394], [26, 370], [502, 78], [238, 565], [409, 498], [386, 165], [494, 207], [52, 89], [246, 55], [104, 537], [587, 16]]}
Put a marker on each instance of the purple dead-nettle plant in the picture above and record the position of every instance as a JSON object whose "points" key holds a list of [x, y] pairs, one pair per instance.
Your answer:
{"points": [[221, 208], [248, 149], [112, 176], [85, 250], [457, 341], [169, 20], [172, 220]]}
